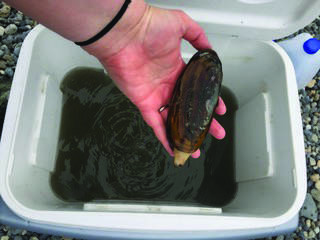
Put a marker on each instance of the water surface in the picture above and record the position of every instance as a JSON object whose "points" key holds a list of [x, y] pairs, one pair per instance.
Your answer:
{"points": [[107, 152]]}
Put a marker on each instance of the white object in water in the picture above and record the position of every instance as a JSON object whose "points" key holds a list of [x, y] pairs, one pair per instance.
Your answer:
{"points": [[304, 52]]}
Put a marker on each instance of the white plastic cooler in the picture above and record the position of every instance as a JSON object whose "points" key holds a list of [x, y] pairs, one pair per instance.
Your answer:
{"points": [[270, 160]]}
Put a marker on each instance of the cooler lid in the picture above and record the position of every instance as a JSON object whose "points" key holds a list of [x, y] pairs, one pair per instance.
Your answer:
{"points": [[255, 19]]}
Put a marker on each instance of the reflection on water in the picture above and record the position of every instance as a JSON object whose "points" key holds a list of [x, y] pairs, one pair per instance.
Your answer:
{"points": [[107, 152]]}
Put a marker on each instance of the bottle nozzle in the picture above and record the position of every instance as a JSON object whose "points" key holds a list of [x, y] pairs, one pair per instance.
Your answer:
{"points": [[311, 46]]}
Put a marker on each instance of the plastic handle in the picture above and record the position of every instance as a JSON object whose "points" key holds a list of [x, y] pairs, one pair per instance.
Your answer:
{"points": [[311, 46]]}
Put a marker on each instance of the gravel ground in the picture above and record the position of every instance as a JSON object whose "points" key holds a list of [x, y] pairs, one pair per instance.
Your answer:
{"points": [[14, 26]]}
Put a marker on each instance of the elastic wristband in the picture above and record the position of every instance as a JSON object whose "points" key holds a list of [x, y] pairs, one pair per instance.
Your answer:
{"points": [[108, 27]]}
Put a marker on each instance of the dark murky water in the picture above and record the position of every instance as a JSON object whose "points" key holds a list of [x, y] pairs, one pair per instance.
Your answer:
{"points": [[107, 152]]}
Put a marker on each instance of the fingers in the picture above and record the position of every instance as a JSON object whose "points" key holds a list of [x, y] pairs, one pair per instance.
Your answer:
{"points": [[164, 115], [155, 121], [196, 154], [221, 108], [193, 33], [217, 130]]}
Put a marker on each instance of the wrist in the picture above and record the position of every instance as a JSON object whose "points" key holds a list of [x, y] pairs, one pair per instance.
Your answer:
{"points": [[93, 17], [121, 34]]}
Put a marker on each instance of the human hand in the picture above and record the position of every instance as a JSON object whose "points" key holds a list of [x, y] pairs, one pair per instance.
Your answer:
{"points": [[146, 62]]}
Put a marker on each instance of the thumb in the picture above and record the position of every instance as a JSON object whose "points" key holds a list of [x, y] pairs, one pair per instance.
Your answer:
{"points": [[193, 33]]}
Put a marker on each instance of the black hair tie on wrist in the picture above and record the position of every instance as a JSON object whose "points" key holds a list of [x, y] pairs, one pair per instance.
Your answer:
{"points": [[108, 27]]}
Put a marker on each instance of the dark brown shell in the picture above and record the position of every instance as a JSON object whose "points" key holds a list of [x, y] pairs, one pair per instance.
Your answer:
{"points": [[194, 100]]}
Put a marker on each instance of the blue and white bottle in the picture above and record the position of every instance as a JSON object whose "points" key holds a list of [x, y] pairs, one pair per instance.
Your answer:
{"points": [[304, 52]]}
